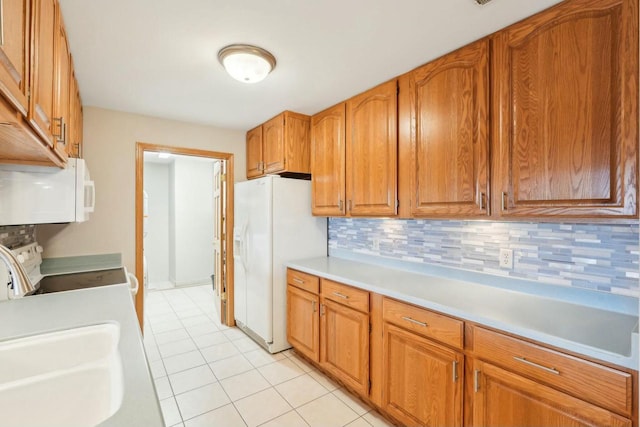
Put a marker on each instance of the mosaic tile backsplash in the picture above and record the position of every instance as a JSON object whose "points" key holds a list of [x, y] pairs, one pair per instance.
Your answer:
{"points": [[597, 257], [14, 236]]}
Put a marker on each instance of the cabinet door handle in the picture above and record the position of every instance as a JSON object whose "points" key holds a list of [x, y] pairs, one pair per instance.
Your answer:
{"points": [[59, 124], [455, 371], [321, 309], [339, 295], [295, 279], [414, 321], [348, 205], [340, 204], [535, 365], [504, 205], [482, 195], [476, 380], [313, 306]]}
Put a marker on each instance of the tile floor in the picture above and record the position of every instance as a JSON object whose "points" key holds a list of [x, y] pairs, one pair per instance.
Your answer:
{"points": [[208, 374]]}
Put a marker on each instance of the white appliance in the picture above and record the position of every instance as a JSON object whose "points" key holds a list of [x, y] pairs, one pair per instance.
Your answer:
{"points": [[40, 195], [273, 225]]}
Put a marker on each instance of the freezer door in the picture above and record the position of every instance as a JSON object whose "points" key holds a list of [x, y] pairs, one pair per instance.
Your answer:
{"points": [[241, 219], [259, 290]]}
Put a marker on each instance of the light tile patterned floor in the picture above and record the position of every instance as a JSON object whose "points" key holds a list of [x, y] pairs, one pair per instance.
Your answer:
{"points": [[207, 374]]}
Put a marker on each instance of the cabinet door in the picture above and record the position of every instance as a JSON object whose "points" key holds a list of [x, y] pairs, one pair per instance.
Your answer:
{"points": [[303, 325], [14, 52], [75, 119], [450, 141], [63, 79], [422, 380], [254, 153], [273, 137], [328, 162], [344, 344], [502, 398], [41, 108], [566, 125], [372, 150]]}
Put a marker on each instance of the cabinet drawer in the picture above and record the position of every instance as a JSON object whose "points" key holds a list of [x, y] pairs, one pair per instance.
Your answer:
{"points": [[304, 281], [424, 322], [346, 295], [586, 380]]}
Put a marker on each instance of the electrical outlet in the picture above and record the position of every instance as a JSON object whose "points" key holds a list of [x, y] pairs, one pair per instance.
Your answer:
{"points": [[506, 258], [375, 243]]}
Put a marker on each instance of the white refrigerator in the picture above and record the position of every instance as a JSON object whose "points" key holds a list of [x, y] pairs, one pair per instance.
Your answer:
{"points": [[273, 225]]}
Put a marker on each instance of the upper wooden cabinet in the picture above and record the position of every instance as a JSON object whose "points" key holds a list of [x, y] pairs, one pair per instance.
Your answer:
{"points": [[371, 151], [74, 145], [566, 115], [14, 53], [449, 139], [62, 107], [255, 166], [43, 72], [328, 196], [283, 148]]}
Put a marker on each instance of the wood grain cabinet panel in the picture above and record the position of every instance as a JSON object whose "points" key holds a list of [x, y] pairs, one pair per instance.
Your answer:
{"points": [[43, 88], [502, 398], [371, 151], [255, 166], [62, 106], [566, 118], [344, 344], [449, 100], [303, 322], [273, 144], [328, 162], [422, 380], [14, 53]]}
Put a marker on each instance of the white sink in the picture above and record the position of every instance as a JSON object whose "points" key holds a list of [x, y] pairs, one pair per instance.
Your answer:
{"points": [[66, 378]]}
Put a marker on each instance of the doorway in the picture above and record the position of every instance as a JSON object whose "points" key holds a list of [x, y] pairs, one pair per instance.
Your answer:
{"points": [[183, 212]]}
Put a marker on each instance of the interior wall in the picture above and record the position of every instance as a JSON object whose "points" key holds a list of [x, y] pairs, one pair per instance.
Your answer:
{"points": [[156, 238], [193, 201], [110, 151]]}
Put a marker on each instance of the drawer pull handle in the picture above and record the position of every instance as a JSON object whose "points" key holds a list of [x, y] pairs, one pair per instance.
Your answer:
{"points": [[339, 295], [409, 319], [313, 305], [455, 371], [476, 380], [298, 281], [535, 365]]}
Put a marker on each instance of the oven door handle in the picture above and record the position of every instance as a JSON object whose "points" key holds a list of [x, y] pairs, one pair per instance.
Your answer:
{"points": [[133, 282]]}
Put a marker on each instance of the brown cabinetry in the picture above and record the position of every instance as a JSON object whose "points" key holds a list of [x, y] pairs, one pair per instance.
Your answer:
{"points": [[449, 99], [74, 146], [303, 322], [372, 151], [328, 133], [62, 106], [503, 398], [422, 380], [280, 145], [565, 98], [14, 53]]}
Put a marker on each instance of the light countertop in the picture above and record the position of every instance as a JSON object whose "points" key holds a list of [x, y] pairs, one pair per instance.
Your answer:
{"points": [[608, 335], [57, 311]]}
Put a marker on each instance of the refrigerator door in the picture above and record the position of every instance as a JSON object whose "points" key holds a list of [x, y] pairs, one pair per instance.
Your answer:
{"points": [[241, 218], [259, 290]]}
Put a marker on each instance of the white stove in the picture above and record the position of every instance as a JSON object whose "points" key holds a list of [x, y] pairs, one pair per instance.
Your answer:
{"points": [[30, 256]]}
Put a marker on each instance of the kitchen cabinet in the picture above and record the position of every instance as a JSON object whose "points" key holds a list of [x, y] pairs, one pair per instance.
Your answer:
{"points": [[303, 319], [419, 369], [328, 195], [74, 147], [255, 165], [344, 335], [62, 106], [43, 73], [281, 146], [371, 151], [565, 98], [14, 53], [449, 139], [503, 398]]}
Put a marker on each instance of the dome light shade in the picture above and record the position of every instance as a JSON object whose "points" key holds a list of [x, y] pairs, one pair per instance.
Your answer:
{"points": [[246, 63]]}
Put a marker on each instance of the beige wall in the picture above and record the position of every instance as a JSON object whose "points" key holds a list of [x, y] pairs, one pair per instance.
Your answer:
{"points": [[110, 149]]}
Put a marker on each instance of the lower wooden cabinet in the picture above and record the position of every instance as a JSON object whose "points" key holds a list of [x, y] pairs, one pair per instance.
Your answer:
{"points": [[303, 322], [422, 382], [503, 398], [344, 344]]}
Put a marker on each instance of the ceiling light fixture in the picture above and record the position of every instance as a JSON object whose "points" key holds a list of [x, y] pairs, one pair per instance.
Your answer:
{"points": [[246, 63]]}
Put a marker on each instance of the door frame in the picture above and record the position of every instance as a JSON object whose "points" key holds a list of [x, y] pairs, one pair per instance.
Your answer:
{"points": [[141, 147]]}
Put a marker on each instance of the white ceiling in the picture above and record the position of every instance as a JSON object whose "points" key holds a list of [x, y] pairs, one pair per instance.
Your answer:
{"points": [[159, 57]]}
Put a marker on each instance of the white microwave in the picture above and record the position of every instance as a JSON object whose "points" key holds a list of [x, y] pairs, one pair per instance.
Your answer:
{"points": [[45, 195]]}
